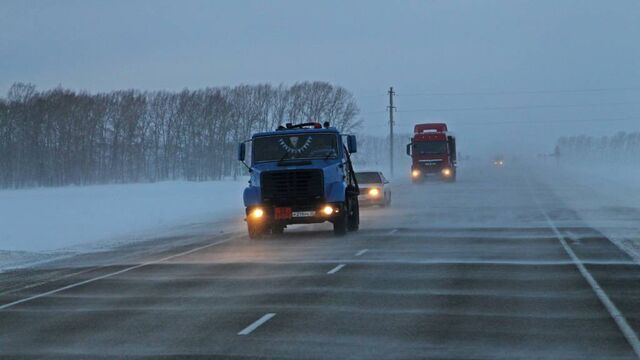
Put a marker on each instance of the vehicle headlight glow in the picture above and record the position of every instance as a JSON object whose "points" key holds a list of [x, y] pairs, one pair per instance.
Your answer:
{"points": [[415, 173], [257, 213], [446, 172], [327, 210], [374, 192]]}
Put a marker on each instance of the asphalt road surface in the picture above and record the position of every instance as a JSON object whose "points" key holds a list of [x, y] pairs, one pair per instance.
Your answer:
{"points": [[493, 266]]}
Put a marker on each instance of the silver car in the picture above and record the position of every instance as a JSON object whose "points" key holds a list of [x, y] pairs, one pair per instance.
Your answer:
{"points": [[374, 188]]}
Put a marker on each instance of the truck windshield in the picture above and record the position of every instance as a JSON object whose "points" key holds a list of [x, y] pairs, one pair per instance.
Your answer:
{"points": [[295, 146], [430, 147], [368, 177]]}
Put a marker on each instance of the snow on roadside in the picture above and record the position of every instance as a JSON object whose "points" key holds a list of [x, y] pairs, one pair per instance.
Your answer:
{"points": [[36, 224], [607, 197]]}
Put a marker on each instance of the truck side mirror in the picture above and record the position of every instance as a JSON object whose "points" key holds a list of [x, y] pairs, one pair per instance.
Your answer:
{"points": [[242, 149], [409, 149], [352, 145]]}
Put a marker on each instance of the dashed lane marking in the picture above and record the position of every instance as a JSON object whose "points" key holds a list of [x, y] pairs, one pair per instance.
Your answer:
{"points": [[336, 269], [249, 329], [392, 232], [361, 252]]}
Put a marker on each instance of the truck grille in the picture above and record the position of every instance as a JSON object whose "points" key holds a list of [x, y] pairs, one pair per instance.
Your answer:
{"points": [[292, 187]]}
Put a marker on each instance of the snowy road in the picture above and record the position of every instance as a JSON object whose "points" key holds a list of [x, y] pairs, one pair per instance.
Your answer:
{"points": [[493, 266]]}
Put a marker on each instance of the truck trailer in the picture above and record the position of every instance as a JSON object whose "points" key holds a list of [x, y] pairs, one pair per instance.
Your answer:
{"points": [[433, 152]]}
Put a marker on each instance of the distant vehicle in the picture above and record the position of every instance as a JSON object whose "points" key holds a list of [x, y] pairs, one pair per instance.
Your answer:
{"points": [[301, 174], [374, 188], [433, 152], [498, 161]]}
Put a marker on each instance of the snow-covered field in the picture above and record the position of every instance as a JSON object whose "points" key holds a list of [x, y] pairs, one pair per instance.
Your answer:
{"points": [[36, 224], [606, 196]]}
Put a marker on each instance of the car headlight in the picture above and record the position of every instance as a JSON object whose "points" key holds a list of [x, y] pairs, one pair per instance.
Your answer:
{"points": [[374, 192]]}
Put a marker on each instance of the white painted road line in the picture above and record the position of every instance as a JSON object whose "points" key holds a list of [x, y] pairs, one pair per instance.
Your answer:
{"points": [[336, 269], [29, 286], [392, 232], [249, 329], [361, 252], [617, 316], [88, 281]]}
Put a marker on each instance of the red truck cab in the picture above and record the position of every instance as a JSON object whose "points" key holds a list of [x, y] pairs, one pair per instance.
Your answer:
{"points": [[433, 152]]}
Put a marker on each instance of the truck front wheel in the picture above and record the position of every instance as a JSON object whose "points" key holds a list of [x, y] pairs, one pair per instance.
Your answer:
{"points": [[256, 229], [341, 221], [354, 215]]}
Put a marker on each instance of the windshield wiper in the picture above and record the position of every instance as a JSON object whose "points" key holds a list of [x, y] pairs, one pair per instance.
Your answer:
{"points": [[283, 157], [330, 153]]}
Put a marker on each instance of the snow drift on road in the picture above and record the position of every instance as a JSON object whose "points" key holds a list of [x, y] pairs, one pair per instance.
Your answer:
{"points": [[69, 219]]}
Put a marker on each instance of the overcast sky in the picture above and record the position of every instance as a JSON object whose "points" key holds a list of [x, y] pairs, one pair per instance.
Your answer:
{"points": [[558, 67]]}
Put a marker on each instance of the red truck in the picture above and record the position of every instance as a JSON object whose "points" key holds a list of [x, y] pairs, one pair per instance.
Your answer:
{"points": [[433, 152]]}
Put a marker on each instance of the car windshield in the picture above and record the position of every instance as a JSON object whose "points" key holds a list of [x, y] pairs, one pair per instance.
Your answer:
{"points": [[368, 177], [295, 146], [430, 147]]}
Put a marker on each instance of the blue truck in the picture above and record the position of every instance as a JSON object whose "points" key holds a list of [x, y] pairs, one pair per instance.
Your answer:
{"points": [[300, 174]]}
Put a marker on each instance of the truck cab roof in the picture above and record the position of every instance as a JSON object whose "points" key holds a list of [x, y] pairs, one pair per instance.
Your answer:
{"points": [[297, 131]]}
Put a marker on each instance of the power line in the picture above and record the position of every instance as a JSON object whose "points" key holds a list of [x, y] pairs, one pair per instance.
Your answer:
{"points": [[519, 107], [467, 122], [520, 92]]}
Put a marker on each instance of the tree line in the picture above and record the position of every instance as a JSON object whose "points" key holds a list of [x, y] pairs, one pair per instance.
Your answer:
{"points": [[621, 147], [64, 137]]}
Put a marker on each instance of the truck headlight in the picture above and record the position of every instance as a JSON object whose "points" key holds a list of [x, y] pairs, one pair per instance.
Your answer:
{"points": [[415, 173], [257, 213], [374, 192], [446, 172], [327, 210]]}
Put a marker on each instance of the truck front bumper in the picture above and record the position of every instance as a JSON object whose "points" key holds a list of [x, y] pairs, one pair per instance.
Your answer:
{"points": [[285, 215]]}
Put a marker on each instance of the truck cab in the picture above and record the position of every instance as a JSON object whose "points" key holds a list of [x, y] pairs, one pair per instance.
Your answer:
{"points": [[300, 174], [433, 152]]}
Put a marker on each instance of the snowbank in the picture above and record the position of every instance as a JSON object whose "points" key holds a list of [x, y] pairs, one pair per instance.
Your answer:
{"points": [[57, 219]]}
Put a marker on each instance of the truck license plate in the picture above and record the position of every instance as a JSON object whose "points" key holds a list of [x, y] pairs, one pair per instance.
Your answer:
{"points": [[303, 213], [282, 213]]}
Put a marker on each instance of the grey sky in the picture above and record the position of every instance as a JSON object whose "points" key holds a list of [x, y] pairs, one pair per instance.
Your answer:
{"points": [[366, 46]]}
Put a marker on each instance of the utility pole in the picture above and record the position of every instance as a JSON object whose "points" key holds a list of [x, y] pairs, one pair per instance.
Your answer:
{"points": [[391, 110]]}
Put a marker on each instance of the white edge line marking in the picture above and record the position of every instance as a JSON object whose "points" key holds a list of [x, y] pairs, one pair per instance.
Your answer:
{"points": [[392, 232], [336, 269], [32, 285], [361, 252], [617, 316], [71, 286], [249, 329]]}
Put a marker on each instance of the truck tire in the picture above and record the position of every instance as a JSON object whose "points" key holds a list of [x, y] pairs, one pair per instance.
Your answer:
{"points": [[340, 222], [354, 215], [256, 230]]}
